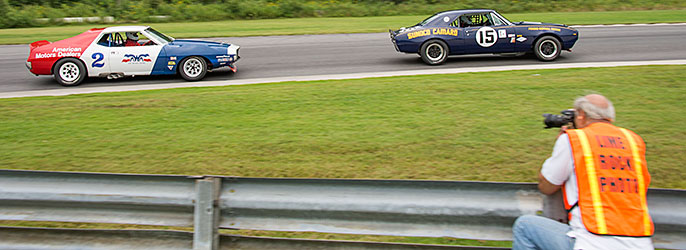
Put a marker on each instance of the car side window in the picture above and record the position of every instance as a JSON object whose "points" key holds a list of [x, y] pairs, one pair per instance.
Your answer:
{"points": [[105, 40], [455, 23], [475, 20], [111, 40]]}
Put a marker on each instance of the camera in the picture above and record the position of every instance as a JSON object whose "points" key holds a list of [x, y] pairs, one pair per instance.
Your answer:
{"points": [[556, 121]]}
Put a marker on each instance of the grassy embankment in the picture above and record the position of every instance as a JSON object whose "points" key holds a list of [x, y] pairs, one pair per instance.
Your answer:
{"points": [[476, 126], [297, 26]]}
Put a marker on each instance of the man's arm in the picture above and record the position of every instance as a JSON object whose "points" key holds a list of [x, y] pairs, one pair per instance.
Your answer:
{"points": [[558, 166], [545, 186]]}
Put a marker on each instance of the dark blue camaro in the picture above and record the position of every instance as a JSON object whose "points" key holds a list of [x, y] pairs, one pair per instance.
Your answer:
{"points": [[479, 31]]}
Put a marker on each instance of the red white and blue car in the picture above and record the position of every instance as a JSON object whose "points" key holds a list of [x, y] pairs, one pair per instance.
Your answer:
{"points": [[117, 52], [480, 31]]}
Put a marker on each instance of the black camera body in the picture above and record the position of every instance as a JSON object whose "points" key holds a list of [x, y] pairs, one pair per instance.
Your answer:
{"points": [[556, 121]]}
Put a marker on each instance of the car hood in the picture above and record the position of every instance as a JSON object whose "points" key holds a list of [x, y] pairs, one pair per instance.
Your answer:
{"points": [[196, 42], [524, 23]]}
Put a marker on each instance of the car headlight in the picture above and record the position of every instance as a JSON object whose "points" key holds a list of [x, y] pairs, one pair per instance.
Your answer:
{"points": [[232, 49], [28, 65]]}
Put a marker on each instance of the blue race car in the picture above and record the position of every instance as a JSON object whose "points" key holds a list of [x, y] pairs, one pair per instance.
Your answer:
{"points": [[479, 31]]}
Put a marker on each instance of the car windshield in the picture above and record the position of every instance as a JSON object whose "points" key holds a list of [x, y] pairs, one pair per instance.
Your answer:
{"points": [[430, 19], [159, 35]]}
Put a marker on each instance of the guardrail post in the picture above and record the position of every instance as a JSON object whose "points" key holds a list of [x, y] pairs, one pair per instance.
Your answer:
{"points": [[206, 221]]}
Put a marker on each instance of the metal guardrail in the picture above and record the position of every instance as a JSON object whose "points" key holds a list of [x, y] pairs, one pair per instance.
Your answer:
{"points": [[471, 210]]}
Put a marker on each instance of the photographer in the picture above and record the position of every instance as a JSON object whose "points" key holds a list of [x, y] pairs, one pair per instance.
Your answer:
{"points": [[602, 172]]}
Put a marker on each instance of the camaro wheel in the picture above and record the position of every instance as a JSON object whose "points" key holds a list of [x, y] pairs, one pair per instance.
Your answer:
{"points": [[193, 68], [547, 48], [434, 52], [69, 72]]}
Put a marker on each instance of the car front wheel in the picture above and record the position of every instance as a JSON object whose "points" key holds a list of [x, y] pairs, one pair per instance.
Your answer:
{"points": [[434, 52], [69, 72], [547, 48], [193, 68]]}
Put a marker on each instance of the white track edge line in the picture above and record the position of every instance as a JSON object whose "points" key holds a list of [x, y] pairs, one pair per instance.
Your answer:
{"points": [[89, 90], [625, 25]]}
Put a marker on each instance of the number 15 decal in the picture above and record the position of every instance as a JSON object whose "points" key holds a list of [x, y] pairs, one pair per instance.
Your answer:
{"points": [[98, 60], [486, 36]]}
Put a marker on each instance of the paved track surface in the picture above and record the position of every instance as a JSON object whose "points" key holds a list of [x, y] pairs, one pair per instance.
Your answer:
{"points": [[283, 56]]}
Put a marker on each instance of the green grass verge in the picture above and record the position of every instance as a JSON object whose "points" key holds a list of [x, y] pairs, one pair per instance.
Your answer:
{"points": [[295, 235], [298, 26], [476, 126], [372, 238]]}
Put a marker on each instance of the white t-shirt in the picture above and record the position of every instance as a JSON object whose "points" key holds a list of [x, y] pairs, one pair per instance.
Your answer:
{"points": [[558, 170]]}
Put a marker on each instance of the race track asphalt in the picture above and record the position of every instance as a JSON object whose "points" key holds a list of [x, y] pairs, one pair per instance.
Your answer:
{"points": [[304, 55]]}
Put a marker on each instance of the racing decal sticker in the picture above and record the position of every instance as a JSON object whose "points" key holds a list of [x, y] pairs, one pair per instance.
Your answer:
{"points": [[170, 64], [486, 37], [419, 33], [521, 39], [172, 58], [60, 52], [502, 33], [446, 19], [45, 55], [136, 59], [67, 52], [445, 32], [545, 28], [97, 60], [434, 31], [227, 58]]}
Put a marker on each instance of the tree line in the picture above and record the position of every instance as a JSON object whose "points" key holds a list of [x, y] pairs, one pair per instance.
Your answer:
{"points": [[31, 13]]}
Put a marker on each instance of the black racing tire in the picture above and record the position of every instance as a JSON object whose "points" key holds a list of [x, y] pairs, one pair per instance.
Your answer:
{"points": [[69, 72], [434, 52], [547, 48], [193, 68]]}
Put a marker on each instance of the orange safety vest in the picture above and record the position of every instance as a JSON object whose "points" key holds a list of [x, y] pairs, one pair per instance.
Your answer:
{"points": [[612, 180]]}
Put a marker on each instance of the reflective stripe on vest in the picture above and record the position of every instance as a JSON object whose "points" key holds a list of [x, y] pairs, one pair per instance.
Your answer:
{"points": [[612, 180], [647, 223]]}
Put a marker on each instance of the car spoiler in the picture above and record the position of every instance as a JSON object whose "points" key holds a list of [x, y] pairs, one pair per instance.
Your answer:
{"points": [[38, 44]]}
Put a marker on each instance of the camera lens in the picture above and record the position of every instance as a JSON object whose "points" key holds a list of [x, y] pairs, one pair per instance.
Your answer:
{"points": [[554, 121]]}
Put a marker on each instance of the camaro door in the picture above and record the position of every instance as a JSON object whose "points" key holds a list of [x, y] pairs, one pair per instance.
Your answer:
{"points": [[486, 33], [456, 37], [133, 60]]}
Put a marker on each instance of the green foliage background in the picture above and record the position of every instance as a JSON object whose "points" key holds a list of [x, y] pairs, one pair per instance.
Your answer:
{"points": [[23, 13]]}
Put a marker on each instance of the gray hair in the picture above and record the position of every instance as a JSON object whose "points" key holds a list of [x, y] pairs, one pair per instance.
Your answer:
{"points": [[593, 111]]}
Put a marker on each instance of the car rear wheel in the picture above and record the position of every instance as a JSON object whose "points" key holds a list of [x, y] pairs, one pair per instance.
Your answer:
{"points": [[434, 52], [193, 68], [547, 48], [69, 72]]}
